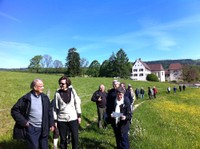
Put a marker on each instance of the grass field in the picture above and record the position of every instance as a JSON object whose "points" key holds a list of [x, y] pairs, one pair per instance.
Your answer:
{"points": [[169, 121]]}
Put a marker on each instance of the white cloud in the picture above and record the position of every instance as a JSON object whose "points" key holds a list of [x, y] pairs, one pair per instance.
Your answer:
{"points": [[9, 17]]}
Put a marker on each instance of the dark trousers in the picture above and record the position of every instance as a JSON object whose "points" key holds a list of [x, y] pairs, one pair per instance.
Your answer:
{"points": [[64, 129], [121, 136], [101, 112], [34, 138]]}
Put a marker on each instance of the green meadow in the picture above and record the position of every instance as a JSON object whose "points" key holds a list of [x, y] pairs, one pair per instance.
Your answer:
{"points": [[171, 121]]}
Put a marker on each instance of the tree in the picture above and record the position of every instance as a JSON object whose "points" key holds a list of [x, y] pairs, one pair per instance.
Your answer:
{"points": [[73, 63], [121, 65], [46, 62], [111, 66], [35, 63], [93, 69], [103, 72], [190, 73], [57, 64], [84, 63], [116, 66]]}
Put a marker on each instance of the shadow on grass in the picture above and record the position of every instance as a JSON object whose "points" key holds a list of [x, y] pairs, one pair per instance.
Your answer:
{"points": [[94, 144], [12, 144], [93, 137], [90, 137], [15, 144], [92, 126]]}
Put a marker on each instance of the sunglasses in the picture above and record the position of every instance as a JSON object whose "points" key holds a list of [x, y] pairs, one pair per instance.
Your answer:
{"points": [[61, 84]]}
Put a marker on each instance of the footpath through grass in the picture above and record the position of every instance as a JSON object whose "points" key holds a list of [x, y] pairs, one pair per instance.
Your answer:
{"points": [[170, 121]]}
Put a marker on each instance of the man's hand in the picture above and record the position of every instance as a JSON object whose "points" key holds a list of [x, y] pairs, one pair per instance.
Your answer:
{"points": [[79, 120], [123, 117], [99, 99], [52, 128], [27, 124]]}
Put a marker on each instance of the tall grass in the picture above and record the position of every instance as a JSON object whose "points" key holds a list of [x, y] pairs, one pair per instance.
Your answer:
{"points": [[169, 121], [172, 121]]}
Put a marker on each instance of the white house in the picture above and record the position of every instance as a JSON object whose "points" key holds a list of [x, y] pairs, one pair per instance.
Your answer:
{"points": [[140, 70]]}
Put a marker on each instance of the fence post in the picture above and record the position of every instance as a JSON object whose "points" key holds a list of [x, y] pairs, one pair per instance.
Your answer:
{"points": [[48, 93]]}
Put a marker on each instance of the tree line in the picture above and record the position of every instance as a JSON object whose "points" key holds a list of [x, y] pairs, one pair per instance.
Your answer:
{"points": [[117, 65], [166, 63]]}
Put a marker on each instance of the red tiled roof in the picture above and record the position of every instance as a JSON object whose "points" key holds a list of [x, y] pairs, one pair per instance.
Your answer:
{"points": [[145, 65], [155, 67], [167, 72], [175, 66]]}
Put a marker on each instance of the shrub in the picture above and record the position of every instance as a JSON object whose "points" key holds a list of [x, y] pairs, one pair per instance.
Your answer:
{"points": [[152, 77]]}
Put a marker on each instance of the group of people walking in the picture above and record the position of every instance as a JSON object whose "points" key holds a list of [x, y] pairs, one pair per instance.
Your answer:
{"points": [[152, 92], [115, 107], [36, 116], [181, 88]]}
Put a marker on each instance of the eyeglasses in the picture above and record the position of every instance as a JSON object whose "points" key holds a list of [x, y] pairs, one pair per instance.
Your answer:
{"points": [[61, 84]]}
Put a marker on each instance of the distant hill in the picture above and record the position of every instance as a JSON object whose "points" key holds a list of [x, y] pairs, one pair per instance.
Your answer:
{"points": [[166, 63]]}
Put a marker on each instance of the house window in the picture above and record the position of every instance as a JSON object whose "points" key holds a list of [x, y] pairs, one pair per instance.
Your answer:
{"points": [[135, 70], [141, 74], [141, 69], [135, 75]]}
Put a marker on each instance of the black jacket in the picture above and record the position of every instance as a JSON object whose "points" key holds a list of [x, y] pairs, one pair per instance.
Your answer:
{"points": [[124, 108], [98, 94], [20, 113], [110, 107]]}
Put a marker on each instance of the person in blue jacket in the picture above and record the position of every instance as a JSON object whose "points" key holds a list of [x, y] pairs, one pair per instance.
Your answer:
{"points": [[34, 117]]}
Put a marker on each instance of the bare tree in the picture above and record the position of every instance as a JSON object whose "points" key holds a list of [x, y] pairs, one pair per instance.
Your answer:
{"points": [[46, 61], [84, 62], [57, 64]]}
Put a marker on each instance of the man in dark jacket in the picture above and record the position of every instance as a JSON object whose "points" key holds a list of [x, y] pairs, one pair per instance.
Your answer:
{"points": [[112, 93], [34, 117], [99, 97]]}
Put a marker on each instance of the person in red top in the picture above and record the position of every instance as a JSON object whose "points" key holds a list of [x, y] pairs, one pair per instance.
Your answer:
{"points": [[155, 91]]}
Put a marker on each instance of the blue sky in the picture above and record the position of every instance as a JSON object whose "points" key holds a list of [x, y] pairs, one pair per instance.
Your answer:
{"points": [[146, 29]]}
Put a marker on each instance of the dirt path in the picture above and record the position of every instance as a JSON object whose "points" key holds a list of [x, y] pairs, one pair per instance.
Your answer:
{"points": [[137, 105]]}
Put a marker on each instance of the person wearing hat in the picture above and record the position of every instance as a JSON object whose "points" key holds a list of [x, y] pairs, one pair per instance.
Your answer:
{"points": [[120, 118]]}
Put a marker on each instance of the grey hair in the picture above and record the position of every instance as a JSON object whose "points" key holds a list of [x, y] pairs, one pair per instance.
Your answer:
{"points": [[101, 85], [33, 83]]}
